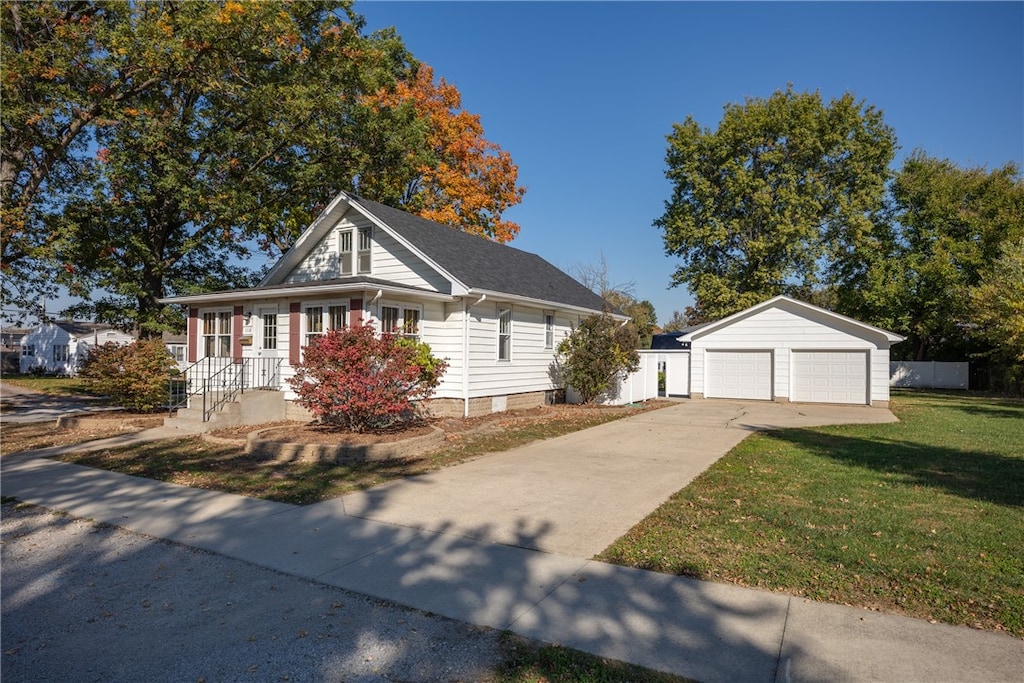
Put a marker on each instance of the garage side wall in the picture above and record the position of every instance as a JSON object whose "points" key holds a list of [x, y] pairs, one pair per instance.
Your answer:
{"points": [[780, 332]]}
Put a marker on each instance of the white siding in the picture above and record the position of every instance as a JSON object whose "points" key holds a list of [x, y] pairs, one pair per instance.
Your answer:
{"points": [[320, 264], [389, 259], [392, 261], [531, 365]]}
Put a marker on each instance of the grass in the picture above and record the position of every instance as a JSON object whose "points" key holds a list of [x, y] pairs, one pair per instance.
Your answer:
{"points": [[59, 386], [924, 517], [528, 663], [197, 463], [16, 437]]}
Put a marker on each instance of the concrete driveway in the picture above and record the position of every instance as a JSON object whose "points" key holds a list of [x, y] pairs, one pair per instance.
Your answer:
{"points": [[575, 494]]}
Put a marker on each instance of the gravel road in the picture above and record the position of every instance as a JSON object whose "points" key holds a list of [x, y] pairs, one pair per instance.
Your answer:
{"points": [[87, 602]]}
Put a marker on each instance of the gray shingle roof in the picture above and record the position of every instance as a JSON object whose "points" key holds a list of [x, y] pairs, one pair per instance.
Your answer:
{"points": [[479, 263]]}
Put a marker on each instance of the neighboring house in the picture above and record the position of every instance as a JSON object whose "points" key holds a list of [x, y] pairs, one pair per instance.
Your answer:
{"points": [[60, 347], [177, 346], [495, 313]]}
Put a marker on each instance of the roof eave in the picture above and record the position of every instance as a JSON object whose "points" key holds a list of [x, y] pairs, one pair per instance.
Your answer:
{"points": [[539, 303], [278, 292], [891, 337]]}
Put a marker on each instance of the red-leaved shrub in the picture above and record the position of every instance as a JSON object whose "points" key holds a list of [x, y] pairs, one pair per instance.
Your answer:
{"points": [[362, 382]]}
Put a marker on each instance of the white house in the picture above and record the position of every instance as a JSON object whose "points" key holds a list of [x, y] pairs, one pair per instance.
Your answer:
{"points": [[60, 347], [495, 313]]}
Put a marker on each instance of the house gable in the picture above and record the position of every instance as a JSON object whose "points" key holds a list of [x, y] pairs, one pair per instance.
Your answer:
{"points": [[410, 251], [788, 317], [317, 255]]}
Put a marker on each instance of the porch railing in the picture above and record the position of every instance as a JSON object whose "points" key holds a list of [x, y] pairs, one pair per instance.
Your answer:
{"points": [[219, 380]]}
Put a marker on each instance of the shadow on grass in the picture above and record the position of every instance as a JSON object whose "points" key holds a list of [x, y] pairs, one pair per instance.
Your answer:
{"points": [[973, 474]]}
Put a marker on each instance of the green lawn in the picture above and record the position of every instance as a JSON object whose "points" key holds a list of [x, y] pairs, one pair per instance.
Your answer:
{"points": [[62, 386], [924, 517]]}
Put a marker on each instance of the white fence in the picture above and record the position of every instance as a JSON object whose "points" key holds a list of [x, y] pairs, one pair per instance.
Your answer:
{"points": [[642, 385], [929, 374]]}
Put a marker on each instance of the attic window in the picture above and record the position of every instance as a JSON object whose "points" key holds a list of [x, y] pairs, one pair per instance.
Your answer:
{"points": [[365, 242], [345, 252], [361, 263]]}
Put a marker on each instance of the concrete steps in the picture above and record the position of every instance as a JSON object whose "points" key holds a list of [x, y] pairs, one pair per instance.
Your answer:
{"points": [[252, 407]]}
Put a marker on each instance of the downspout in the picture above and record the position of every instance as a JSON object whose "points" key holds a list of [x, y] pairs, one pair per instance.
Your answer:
{"points": [[465, 357]]}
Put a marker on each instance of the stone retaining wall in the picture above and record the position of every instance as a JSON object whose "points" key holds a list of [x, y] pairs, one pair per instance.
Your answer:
{"points": [[92, 421], [275, 451]]}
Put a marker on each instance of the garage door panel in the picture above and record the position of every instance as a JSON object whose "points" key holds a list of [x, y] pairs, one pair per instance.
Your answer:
{"points": [[739, 374], [830, 376]]}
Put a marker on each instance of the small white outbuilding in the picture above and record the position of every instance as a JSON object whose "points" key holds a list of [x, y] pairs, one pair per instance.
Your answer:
{"points": [[787, 350]]}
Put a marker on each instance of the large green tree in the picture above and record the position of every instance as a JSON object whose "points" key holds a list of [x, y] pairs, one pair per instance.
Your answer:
{"points": [[209, 129], [944, 228], [997, 304], [58, 81], [761, 203], [255, 124]]}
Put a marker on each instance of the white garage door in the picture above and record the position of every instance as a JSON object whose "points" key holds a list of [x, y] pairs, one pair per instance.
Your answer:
{"points": [[739, 374], [830, 376]]}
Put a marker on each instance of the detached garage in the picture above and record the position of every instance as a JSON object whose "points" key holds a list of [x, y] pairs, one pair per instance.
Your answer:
{"points": [[786, 350]]}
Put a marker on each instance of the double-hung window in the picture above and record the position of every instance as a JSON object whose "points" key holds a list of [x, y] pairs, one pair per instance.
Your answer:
{"points": [[321, 319], [28, 349], [178, 352], [345, 252], [60, 353], [400, 320], [365, 242], [355, 251], [504, 334], [549, 331], [217, 334]]}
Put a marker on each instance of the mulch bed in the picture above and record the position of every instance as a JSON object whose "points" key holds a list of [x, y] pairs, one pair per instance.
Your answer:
{"points": [[307, 432]]}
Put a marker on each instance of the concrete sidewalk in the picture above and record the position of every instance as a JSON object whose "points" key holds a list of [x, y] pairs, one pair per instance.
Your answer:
{"points": [[706, 631]]}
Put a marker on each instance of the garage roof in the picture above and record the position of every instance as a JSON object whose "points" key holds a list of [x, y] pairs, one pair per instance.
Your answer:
{"points": [[793, 305]]}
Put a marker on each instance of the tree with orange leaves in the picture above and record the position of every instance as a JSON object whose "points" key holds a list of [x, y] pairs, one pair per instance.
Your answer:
{"points": [[460, 179]]}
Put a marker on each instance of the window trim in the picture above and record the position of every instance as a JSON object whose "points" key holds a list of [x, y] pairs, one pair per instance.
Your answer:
{"points": [[328, 307], [346, 235], [355, 237], [507, 356], [402, 319], [364, 233], [220, 331]]}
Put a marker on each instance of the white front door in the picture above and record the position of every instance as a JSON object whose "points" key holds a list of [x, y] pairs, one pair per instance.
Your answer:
{"points": [[268, 342]]}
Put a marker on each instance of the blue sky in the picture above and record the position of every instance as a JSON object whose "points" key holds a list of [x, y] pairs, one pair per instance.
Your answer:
{"points": [[583, 94]]}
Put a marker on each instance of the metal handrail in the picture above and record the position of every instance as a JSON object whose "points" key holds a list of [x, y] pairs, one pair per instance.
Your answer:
{"points": [[220, 385], [231, 385]]}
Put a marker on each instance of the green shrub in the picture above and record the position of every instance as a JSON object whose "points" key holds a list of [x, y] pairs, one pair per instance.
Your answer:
{"points": [[597, 354], [133, 376]]}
